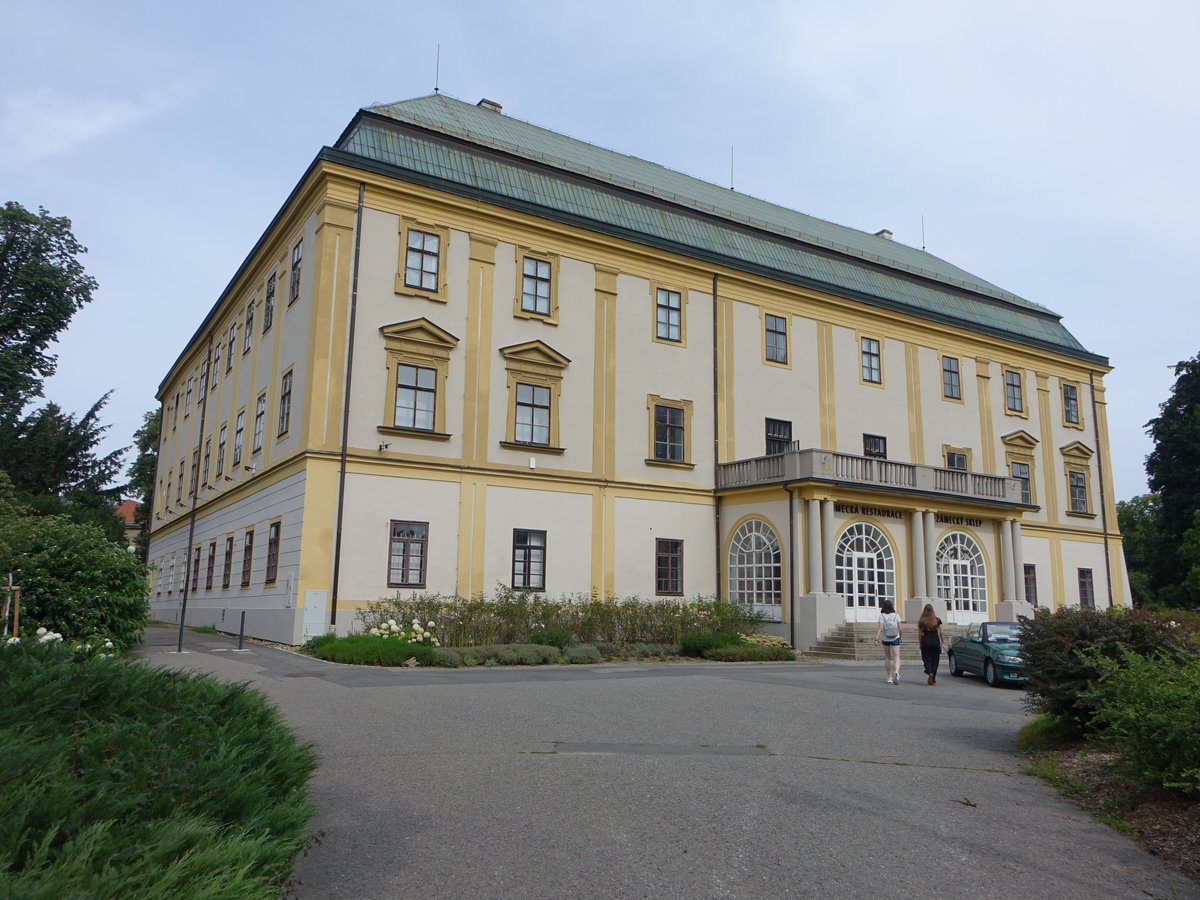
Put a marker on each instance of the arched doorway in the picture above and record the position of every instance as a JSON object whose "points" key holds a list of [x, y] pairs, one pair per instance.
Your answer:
{"points": [[962, 578], [866, 571], [756, 569]]}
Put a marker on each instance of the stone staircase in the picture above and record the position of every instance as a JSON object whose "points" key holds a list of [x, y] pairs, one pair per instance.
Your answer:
{"points": [[856, 640]]}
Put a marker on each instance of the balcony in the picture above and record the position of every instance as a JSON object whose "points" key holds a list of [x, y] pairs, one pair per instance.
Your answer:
{"points": [[798, 464]]}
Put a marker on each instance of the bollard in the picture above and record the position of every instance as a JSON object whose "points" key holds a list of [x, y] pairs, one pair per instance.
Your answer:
{"points": [[242, 630]]}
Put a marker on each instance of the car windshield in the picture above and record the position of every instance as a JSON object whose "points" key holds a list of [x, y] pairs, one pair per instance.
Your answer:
{"points": [[1000, 632]]}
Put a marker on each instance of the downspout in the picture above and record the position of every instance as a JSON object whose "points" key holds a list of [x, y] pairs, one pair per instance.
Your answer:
{"points": [[187, 572], [1103, 503], [341, 494], [716, 418]]}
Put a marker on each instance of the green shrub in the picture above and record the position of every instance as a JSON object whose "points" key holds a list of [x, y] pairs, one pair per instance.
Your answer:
{"points": [[697, 643], [370, 650], [554, 636], [315, 643], [1146, 707], [1059, 672], [123, 781], [749, 653], [448, 659], [585, 654]]}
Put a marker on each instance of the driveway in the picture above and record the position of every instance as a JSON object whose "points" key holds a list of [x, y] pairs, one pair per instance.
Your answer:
{"points": [[698, 780]]}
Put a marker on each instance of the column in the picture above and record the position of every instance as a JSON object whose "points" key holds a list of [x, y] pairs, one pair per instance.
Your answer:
{"points": [[1018, 560], [827, 549], [930, 554], [1006, 561], [916, 535], [816, 578]]}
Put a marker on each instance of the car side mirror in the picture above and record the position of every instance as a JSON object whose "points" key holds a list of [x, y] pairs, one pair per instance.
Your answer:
{"points": [[976, 640]]}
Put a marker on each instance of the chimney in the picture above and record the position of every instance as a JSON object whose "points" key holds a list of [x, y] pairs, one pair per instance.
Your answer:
{"points": [[490, 104], [884, 233]]}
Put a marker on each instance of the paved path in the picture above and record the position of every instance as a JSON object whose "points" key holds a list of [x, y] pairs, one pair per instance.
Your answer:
{"points": [[688, 780]]}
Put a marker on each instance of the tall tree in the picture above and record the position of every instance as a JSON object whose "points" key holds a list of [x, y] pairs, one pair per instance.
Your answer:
{"points": [[42, 285], [1174, 470], [141, 475], [1140, 521]]}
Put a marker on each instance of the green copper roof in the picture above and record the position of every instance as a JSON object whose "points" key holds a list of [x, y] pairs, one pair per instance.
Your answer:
{"points": [[482, 152]]}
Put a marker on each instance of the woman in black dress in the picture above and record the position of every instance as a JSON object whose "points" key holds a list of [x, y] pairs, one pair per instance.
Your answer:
{"points": [[929, 627]]}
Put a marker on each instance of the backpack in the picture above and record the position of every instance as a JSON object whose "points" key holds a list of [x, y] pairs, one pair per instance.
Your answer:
{"points": [[891, 627]]}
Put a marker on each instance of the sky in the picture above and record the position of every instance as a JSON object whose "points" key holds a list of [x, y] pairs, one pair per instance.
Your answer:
{"points": [[1047, 147]]}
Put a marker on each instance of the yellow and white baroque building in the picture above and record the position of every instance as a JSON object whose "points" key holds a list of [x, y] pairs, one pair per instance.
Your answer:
{"points": [[471, 352]]}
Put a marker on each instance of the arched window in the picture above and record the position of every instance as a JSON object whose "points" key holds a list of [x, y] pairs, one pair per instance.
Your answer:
{"points": [[961, 575], [866, 567], [755, 570]]}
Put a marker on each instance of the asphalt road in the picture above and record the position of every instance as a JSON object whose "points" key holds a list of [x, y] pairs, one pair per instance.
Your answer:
{"points": [[657, 780]]}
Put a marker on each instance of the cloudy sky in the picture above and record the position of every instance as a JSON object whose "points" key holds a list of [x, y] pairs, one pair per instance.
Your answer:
{"points": [[1049, 147]]}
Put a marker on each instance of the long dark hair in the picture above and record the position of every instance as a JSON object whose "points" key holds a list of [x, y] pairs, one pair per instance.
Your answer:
{"points": [[886, 607], [928, 621]]}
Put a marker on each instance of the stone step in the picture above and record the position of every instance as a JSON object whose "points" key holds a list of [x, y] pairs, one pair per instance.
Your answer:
{"points": [[856, 640]]}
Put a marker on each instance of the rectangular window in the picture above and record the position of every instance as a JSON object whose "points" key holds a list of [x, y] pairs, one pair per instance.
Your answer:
{"points": [[260, 416], [1031, 583], [776, 338], [216, 364], [1014, 397], [533, 415], [203, 379], [239, 433], [668, 567], [167, 495], [294, 284], [407, 552], [220, 453], [668, 433], [195, 565], [248, 335], [285, 402], [1071, 404], [1087, 589], [1020, 471], [779, 436], [668, 312], [416, 397], [179, 487], [272, 553], [529, 560], [951, 384], [227, 565], [269, 304], [211, 569], [872, 363], [232, 347], [1077, 487], [207, 460], [956, 460], [194, 484], [421, 260], [535, 286], [247, 557], [875, 446], [175, 414], [187, 398]]}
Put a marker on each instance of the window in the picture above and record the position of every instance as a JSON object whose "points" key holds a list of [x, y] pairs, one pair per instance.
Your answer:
{"points": [[668, 315], [951, 383], [875, 446], [779, 436], [529, 560], [248, 333], [1070, 404], [956, 459], [285, 402], [668, 433], [167, 495], [865, 568], [220, 453], [421, 260], [195, 566], [1020, 471], [535, 286], [1077, 488], [238, 437], [294, 282], [1031, 583], [872, 364], [1014, 399], [175, 414], [416, 397], [211, 568], [227, 565], [179, 487], [269, 304], [272, 553], [203, 379], [407, 553], [247, 556], [260, 415], [187, 398], [1087, 589], [776, 338], [533, 414], [216, 364], [194, 484], [232, 347], [668, 567], [755, 568], [207, 459]]}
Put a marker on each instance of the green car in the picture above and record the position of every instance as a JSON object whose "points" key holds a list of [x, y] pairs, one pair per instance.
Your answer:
{"points": [[990, 649]]}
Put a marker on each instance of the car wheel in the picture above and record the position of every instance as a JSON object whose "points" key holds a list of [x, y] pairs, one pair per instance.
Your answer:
{"points": [[952, 662], [990, 675]]}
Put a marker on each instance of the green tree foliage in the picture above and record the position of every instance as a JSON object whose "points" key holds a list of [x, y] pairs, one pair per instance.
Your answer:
{"points": [[42, 285], [1174, 470], [1140, 521], [141, 475]]}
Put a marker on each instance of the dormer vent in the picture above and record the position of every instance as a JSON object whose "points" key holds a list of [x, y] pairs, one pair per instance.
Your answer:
{"points": [[490, 104]]}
